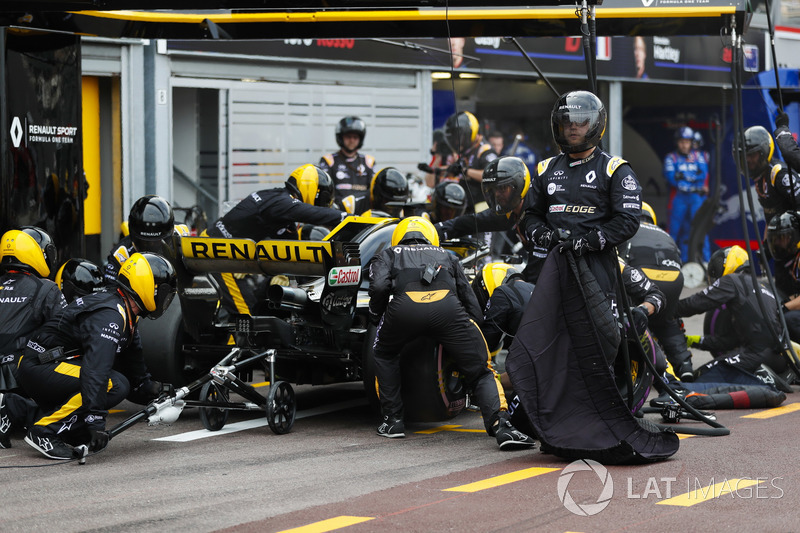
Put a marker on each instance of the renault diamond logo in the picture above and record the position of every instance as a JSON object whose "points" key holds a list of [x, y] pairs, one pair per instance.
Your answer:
{"points": [[16, 132]]}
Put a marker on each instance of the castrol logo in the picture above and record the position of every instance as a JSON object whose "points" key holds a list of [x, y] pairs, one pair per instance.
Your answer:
{"points": [[344, 276]]}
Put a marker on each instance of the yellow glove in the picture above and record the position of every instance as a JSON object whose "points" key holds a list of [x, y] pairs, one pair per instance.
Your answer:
{"points": [[280, 279], [239, 275], [692, 340]]}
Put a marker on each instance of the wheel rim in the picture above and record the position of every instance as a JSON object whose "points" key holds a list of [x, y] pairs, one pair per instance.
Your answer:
{"points": [[213, 418], [281, 407]]}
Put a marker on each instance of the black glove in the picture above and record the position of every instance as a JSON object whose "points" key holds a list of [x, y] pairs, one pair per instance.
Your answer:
{"points": [[639, 318], [150, 389], [425, 167], [593, 241], [458, 168], [544, 237], [679, 176], [99, 439], [782, 119]]}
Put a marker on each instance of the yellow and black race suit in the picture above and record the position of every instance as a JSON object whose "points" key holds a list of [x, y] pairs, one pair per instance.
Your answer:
{"points": [[98, 332], [445, 309]]}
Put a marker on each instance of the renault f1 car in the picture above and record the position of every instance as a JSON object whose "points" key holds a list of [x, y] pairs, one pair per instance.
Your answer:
{"points": [[319, 330]]}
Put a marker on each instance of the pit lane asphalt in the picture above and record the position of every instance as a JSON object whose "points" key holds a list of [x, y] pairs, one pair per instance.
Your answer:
{"points": [[333, 465]]}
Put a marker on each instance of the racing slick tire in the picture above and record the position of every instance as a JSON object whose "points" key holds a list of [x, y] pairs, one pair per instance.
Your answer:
{"points": [[162, 341], [432, 387]]}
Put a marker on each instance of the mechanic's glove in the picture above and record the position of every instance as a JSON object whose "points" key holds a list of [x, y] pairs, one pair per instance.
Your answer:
{"points": [[239, 275], [543, 237], [458, 168], [441, 231], [425, 167], [98, 439], [693, 340], [149, 390], [782, 119], [280, 279], [593, 241], [639, 319]]}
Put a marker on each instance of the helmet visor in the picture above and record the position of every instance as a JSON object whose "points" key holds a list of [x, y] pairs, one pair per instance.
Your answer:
{"points": [[783, 243], [164, 296], [501, 197], [324, 198]]}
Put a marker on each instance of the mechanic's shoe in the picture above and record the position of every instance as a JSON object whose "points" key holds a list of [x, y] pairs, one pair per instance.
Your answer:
{"points": [[5, 423], [50, 446], [685, 373], [392, 427], [510, 438]]}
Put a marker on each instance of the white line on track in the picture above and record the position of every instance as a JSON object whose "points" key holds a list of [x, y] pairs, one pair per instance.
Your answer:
{"points": [[259, 422]]}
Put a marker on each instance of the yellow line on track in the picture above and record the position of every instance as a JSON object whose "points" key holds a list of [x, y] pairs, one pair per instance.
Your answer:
{"points": [[330, 524], [710, 492], [775, 411], [504, 479]]}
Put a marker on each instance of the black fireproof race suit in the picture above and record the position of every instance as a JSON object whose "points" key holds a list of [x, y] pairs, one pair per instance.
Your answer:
{"points": [[446, 309], [265, 214], [752, 343], [778, 190], [350, 175], [656, 254], [99, 333], [599, 193], [26, 302]]}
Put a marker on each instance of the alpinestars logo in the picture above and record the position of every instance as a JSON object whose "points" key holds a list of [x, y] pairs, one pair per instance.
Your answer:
{"points": [[67, 424], [44, 443]]}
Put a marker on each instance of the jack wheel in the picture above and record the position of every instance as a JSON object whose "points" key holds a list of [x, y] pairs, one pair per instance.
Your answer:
{"points": [[281, 407], [213, 418]]}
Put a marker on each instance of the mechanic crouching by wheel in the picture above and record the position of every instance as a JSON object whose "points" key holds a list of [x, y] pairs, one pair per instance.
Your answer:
{"points": [[430, 296], [81, 364]]}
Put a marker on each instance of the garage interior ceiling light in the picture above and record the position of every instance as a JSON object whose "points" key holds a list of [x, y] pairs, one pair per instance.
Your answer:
{"points": [[440, 75], [468, 75]]}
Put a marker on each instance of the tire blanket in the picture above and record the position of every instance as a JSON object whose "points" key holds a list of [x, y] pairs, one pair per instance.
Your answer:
{"points": [[560, 373]]}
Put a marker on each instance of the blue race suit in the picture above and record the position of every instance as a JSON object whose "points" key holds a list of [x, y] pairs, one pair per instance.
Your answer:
{"points": [[686, 175]]}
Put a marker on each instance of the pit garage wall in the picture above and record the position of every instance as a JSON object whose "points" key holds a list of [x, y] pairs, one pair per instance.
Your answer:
{"points": [[272, 118]]}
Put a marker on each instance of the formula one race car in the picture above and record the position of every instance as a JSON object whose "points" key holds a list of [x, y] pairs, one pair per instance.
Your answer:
{"points": [[319, 329]]}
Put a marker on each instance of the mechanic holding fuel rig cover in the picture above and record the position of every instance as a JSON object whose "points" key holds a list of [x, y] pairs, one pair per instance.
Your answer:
{"points": [[419, 289], [274, 214], [82, 363], [584, 199]]}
